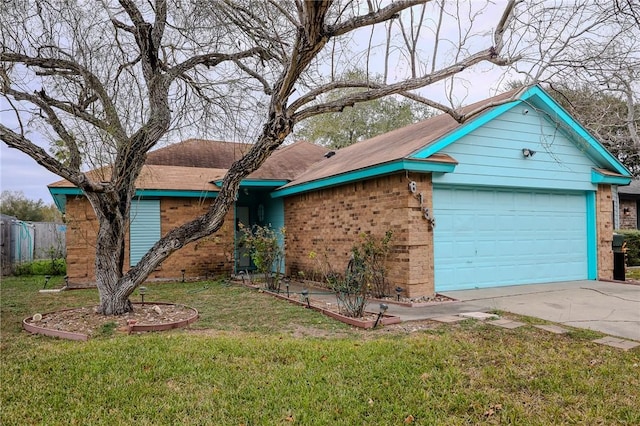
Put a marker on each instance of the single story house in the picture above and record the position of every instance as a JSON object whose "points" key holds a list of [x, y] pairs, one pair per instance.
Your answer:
{"points": [[629, 206], [519, 194]]}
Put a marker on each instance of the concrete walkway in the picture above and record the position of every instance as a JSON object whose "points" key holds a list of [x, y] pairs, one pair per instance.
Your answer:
{"points": [[610, 308]]}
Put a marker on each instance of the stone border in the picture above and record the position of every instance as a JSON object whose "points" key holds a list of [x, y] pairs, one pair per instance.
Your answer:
{"points": [[68, 335], [415, 304], [132, 328], [356, 322]]}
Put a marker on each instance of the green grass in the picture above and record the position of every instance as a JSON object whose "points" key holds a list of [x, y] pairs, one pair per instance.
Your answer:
{"points": [[245, 363], [633, 274]]}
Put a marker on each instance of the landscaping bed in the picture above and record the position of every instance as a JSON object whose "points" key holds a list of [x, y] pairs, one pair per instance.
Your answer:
{"points": [[83, 323], [368, 320]]}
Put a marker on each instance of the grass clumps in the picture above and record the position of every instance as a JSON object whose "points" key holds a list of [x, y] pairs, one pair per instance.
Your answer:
{"points": [[253, 359]]}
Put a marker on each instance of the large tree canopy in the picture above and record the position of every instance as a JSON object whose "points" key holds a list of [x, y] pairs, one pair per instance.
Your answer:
{"points": [[607, 116], [109, 80], [14, 203], [361, 121]]}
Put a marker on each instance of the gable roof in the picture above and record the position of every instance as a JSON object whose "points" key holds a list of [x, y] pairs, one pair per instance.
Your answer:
{"points": [[391, 146], [191, 168], [632, 189], [198, 153], [424, 141], [289, 161], [162, 177], [285, 163]]}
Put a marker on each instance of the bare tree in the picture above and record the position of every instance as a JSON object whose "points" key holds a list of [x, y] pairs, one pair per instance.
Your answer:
{"points": [[592, 60], [110, 79]]}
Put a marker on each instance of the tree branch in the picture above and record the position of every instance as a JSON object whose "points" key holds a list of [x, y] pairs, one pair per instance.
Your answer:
{"points": [[372, 18], [396, 88], [15, 140]]}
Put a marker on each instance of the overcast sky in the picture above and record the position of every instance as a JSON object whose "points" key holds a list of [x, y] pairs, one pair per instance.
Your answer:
{"points": [[18, 172]]}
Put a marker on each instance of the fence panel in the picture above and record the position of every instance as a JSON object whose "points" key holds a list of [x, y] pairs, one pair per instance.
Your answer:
{"points": [[28, 241], [49, 240], [5, 246], [22, 239]]}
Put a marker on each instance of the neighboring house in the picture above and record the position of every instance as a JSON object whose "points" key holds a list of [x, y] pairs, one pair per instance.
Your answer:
{"points": [[519, 194], [629, 205]]}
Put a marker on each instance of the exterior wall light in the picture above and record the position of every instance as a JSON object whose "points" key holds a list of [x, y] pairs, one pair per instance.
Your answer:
{"points": [[142, 291], [398, 291], [305, 296], [526, 152], [383, 309]]}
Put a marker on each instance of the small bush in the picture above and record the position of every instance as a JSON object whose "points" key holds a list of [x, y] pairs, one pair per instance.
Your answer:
{"points": [[42, 267], [632, 242], [265, 251], [365, 274]]}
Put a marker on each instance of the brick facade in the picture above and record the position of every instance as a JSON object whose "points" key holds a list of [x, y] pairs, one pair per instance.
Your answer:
{"points": [[604, 230], [208, 257], [628, 214], [329, 222]]}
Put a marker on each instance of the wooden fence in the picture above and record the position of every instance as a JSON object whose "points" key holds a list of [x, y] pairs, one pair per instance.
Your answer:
{"points": [[28, 241]]}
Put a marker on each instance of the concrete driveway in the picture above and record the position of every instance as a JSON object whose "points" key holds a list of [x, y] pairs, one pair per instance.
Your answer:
{"points": [[610, 308]]}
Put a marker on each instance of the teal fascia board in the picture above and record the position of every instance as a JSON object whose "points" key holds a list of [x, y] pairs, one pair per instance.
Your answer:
{"points": [[592, 243], [597, 177], [145, 192], [539, 97], [410, 165], [175, 193], [66, 191], [59, 194], [464, 130], [535, 96]]}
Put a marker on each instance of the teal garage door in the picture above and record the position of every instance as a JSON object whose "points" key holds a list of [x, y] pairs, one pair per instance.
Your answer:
{"points": [[489, 238]]}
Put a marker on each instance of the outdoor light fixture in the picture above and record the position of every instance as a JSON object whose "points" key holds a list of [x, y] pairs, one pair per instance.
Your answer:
{"points": [[383, 309], [46, 281], [626, 211], [398, 291], [305, 296], [183, 271], [287, 284], [142, 291], [526, 152]]}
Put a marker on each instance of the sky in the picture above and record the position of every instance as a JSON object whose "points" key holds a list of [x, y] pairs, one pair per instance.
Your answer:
{"points": [[19, 172]]}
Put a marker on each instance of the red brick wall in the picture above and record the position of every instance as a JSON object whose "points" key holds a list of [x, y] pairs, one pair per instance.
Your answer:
{"points": [[210, 256], [629, 220], [330, 221], [604, 229], [82, 228]]}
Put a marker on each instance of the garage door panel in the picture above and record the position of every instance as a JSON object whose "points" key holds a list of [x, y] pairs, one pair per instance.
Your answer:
{"points": [[487, 238]]}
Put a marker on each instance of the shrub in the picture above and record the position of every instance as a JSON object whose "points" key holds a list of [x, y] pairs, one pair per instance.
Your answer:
{"points": [[632, 242], [42, 267], [365, 274], [265, 252], [372, 252]]}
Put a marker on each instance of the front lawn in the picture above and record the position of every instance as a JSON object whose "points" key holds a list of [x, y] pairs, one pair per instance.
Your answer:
{"points": [[253, 359]]}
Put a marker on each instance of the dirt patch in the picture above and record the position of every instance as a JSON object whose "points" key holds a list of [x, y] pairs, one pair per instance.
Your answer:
{"points": [[85, 320]]}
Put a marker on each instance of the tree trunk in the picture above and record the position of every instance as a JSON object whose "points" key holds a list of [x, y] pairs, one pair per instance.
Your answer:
{"points": [[114, 289], [117, 303]]}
